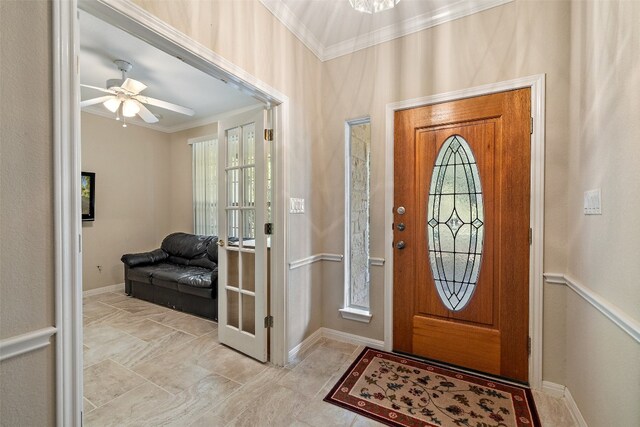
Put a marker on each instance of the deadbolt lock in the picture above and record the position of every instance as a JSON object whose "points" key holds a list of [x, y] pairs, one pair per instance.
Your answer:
{"points": [[400, 210]]}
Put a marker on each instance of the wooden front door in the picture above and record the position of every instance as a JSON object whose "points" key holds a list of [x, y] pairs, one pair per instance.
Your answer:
{"points": [[461, 233]]}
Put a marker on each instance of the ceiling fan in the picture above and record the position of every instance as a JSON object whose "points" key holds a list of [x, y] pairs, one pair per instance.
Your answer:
{"points": [[124, 98]]}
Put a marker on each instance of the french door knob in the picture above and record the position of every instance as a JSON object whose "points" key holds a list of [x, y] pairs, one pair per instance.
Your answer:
{"points": [[220, 243], [401, 226], [400, 244]]}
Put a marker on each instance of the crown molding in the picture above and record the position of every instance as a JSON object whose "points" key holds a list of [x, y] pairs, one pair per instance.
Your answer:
{"points": [[448, 13]]}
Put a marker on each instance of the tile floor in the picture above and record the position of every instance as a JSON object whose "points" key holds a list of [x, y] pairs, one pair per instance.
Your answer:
{"points": [[146, 365]]}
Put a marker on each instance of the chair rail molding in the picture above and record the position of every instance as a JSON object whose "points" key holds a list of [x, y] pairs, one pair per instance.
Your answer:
{"points": [[610, 311], [315, 258], [25, 343]]}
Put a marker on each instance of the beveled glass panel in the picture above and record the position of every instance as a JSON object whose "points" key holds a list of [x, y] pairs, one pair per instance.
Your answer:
{"points": [[249, 314], [249, 193], [233, 147], [233, 279], [248, 271], [233, 187], [249, 144], [233, 308], [455, 223], [249, 227], [233, 226]]}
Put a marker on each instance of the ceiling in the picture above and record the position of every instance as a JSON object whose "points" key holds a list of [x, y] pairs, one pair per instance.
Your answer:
{"points": [[332, 28], [167, 78]]}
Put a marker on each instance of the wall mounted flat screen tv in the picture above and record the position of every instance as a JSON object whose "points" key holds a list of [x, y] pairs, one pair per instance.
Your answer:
{"points": [[88, 191]]}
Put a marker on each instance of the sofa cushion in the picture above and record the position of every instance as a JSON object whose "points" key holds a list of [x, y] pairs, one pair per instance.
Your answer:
{"points": [[202, 280], [186, 245], [177, 260], [141, 274], [203, 262]]}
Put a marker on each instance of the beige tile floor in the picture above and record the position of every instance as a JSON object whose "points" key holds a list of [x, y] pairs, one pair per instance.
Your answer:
{"points": [[147, 365]]}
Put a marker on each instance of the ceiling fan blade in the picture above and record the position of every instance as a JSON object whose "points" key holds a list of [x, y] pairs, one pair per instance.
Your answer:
{"points": [[94, 101], [166, 105], [99, 88], [133, 86], [144, 112]]}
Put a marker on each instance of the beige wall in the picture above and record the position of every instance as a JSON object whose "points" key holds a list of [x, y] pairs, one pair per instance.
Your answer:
{"points": [[181, 208], [133, 195], [602, 253], [26, 209], [245, 33], [507, 42]]}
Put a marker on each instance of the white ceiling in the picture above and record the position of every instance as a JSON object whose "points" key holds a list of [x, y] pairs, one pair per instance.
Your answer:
{"points": [[167, 78], [332, 28]]}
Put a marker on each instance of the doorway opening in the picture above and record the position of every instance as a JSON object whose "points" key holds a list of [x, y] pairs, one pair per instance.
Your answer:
{"points": [[140, 24]]}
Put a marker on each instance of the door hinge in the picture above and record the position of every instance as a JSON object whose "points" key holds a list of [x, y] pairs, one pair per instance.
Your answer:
{"points": [[268, 228], [268, 322], [268, 134], [529, 346], [530, 236], [531, 128]]}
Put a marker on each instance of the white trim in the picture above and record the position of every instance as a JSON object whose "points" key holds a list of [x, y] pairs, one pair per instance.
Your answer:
{"points": [[553, 389], [537, 85], [335, 335], [315, 258], [203, 138], [573, 409], [378, 262], [67, 220], [358, 315], [609, 310], [25, 343], [411, 25], [332, 334], [306, 343], [103, 290]]}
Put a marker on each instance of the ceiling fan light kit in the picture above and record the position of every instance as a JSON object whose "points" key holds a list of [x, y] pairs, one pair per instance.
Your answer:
{"points": [[373, 6], [124, 98]]}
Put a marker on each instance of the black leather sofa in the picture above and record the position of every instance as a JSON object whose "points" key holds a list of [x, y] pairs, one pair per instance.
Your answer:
{"points": [[181, 274]]}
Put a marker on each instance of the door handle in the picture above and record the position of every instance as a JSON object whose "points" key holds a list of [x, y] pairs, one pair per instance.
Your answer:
{"points": [[221, 243], [400, 244]]}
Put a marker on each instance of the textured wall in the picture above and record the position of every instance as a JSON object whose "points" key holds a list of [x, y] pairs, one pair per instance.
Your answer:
{"points": [[133, 195], [26, 209], [245, 33], [515, 40], [359, 198], [603, 250]]}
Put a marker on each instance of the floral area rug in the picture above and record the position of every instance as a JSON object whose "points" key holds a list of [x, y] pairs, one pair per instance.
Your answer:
{"points": [[400, 391]]}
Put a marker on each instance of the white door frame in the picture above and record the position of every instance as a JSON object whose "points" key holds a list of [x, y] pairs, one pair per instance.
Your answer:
{"points": [[67, 166], [537, 85]]}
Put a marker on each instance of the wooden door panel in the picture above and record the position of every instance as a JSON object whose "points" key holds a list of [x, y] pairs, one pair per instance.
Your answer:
{"points": [[490, 332]]}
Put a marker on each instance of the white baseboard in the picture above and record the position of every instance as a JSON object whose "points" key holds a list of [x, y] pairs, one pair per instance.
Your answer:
{"points": [[553, 389], [560, 391], [308, 342], [573, 408], [337, 336], [103, 290], [25, 343]]}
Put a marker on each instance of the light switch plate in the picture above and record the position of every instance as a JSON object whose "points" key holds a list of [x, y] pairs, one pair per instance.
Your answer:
{"points": [[592, 202], [296, 206]]}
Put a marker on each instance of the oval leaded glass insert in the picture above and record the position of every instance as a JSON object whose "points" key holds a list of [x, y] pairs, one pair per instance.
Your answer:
{"points": [[455, 223]]}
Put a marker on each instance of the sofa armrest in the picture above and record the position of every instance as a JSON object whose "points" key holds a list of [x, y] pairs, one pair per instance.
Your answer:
{"points": [[144, 258], [214, 283]]}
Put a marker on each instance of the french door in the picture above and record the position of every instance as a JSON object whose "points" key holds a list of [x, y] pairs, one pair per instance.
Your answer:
{"points": [[461, 232], [242, 255]]}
